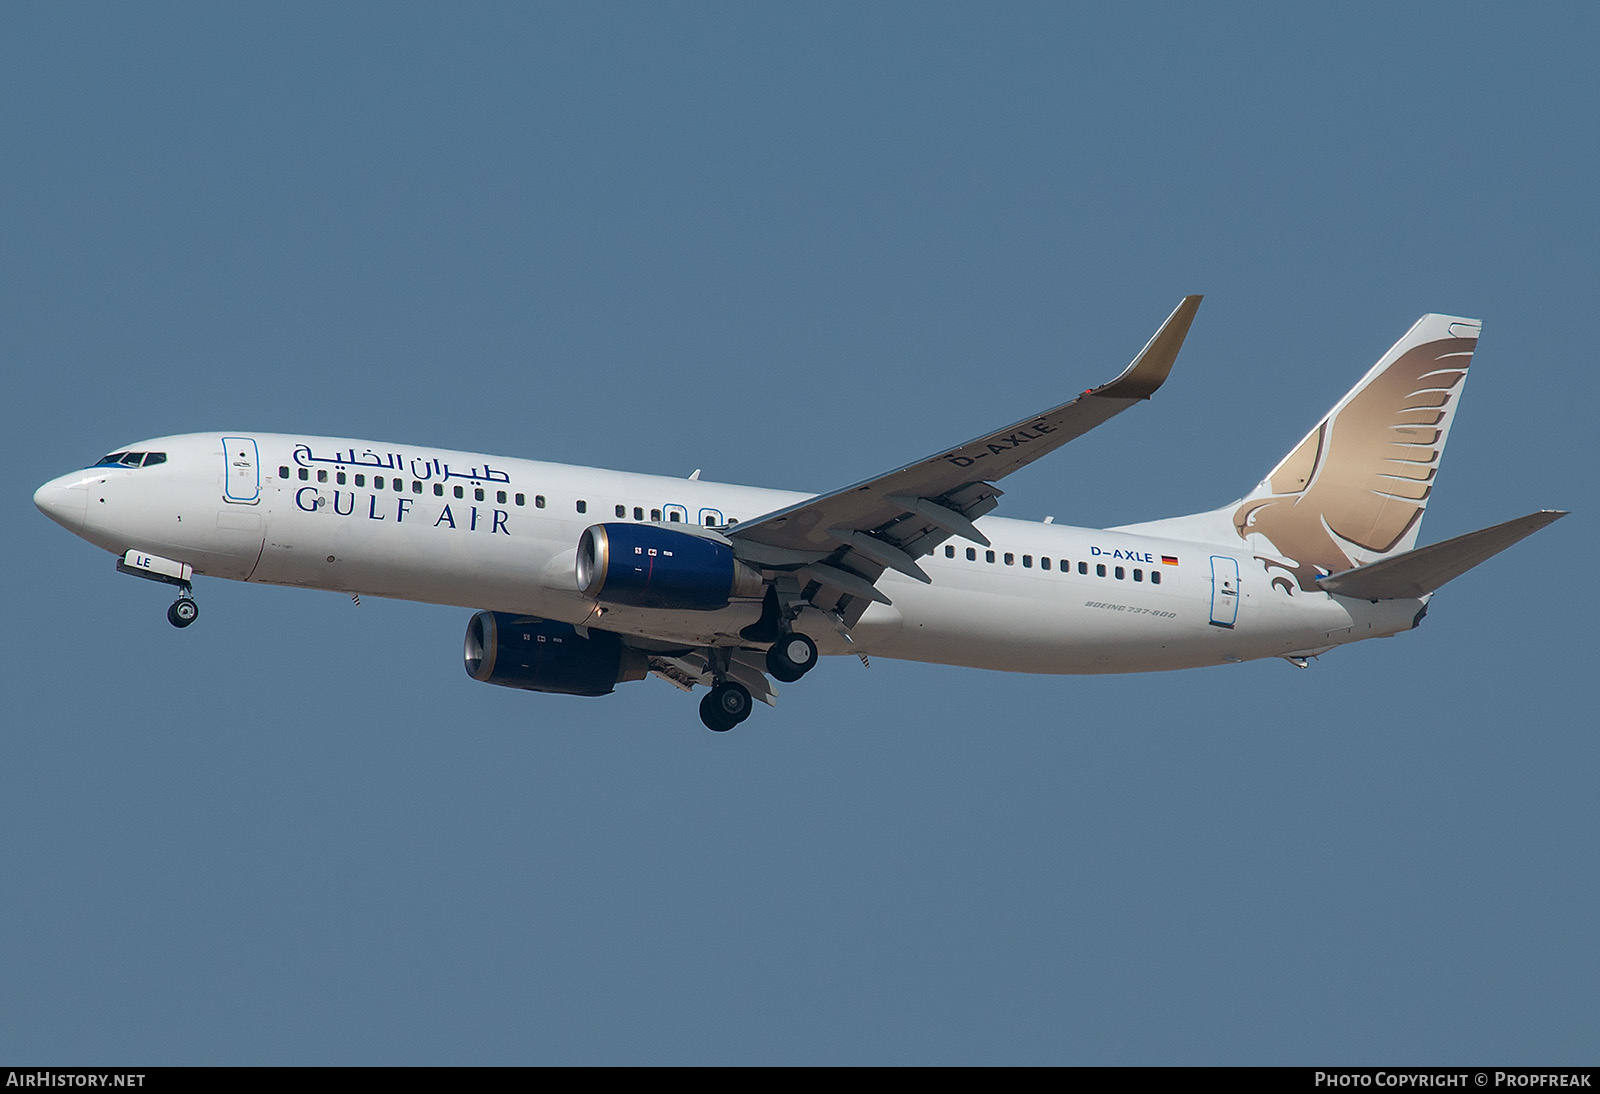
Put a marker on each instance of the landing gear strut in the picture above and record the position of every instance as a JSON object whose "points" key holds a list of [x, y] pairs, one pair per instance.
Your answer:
{"points": [[184, 610], [729, 702], [725, 706], [169, 572], [791, 657]]}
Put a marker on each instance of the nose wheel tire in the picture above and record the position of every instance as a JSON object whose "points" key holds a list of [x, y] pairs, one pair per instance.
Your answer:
{"points": [[791, 657], [725, 706], [183, 612]]}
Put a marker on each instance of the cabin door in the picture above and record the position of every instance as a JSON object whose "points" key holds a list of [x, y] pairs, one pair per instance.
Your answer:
{"points": [[241, 480], [1224, 591]]}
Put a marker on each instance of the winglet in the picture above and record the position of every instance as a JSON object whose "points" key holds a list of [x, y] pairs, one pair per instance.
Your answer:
{"points": [[1150, 369]]}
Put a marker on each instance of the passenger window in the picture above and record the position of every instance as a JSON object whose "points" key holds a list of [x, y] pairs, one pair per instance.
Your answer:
{"points": [[460, 492], [377, 481], [675, 517], [583, 506], [438, 492], [972, 554], [1155, 577], [283, 472], [1027, 562], [949, 552], [1138, 575], [655, 515], [361, 480], [416, 487], [1044, 564], [304, 474], [322, 475], [1083, 568], [538, 501], [1119, 573], [1011, 559], [500, 497], [638, 512], [1100, 569], [339, 477], [520, 498], [477, 495], [1066, 566], [988, 556], [399, 485]]}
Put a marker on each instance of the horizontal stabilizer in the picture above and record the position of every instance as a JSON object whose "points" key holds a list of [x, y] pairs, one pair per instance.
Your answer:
{"points": [[1419, 572]]}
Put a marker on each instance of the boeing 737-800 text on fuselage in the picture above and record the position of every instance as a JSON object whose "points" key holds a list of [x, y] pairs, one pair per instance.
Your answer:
{"points": [[586, 578]]}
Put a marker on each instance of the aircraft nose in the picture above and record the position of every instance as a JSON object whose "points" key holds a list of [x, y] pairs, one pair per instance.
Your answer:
{"points": [[64, 501]]}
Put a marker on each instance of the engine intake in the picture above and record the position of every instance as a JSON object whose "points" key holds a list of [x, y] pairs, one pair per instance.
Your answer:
{"points": [[519, 651], [647, 566]]}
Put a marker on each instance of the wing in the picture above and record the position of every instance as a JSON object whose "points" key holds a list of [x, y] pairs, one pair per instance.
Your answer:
{"points": [[837, 545]]}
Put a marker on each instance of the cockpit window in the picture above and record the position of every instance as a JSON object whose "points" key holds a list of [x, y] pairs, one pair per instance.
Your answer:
{"points": [[132, 459]]}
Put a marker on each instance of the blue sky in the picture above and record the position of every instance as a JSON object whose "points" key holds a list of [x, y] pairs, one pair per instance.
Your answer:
{"points": [[793, 247]]}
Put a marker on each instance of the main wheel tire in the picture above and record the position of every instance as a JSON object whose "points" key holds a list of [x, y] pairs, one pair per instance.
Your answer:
{"points": [[732, 702], [791, 657], [183, 612], [711, 714]]}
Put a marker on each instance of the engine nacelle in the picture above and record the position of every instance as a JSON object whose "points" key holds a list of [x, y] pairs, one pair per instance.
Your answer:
{"points": [[648, 566], [518, 651]]}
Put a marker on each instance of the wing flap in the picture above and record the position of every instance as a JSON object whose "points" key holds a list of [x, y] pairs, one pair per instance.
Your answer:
{"points": [[683, 671]]}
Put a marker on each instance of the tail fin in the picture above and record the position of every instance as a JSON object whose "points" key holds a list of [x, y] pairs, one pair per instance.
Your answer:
{"points": [[1354, 490]]}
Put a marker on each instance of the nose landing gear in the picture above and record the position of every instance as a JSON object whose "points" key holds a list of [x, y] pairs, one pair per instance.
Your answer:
{"points": [[184, 610]]}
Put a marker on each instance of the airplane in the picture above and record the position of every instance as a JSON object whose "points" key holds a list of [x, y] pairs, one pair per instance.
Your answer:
{"points": [[584, 578]]}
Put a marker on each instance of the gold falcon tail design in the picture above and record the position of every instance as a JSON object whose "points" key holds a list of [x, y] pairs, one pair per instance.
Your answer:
{"points": [[1354, 490]]}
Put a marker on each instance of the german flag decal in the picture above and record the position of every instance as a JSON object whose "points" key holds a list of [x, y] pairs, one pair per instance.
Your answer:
{"points": [[1169, 560]]}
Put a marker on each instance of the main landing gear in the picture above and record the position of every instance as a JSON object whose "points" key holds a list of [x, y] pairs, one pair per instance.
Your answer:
{"points": [[729, 702], [791, 657], [725, 706]]}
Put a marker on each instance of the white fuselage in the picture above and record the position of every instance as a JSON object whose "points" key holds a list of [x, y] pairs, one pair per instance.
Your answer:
{"points": [[496, 533]]}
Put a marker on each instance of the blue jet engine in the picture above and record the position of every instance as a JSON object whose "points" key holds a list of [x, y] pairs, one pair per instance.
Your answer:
{"points": [[648, 566], [520, 651]]}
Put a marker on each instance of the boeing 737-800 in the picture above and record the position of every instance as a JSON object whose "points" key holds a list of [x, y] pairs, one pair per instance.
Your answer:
{"points": [[585, 578]]}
